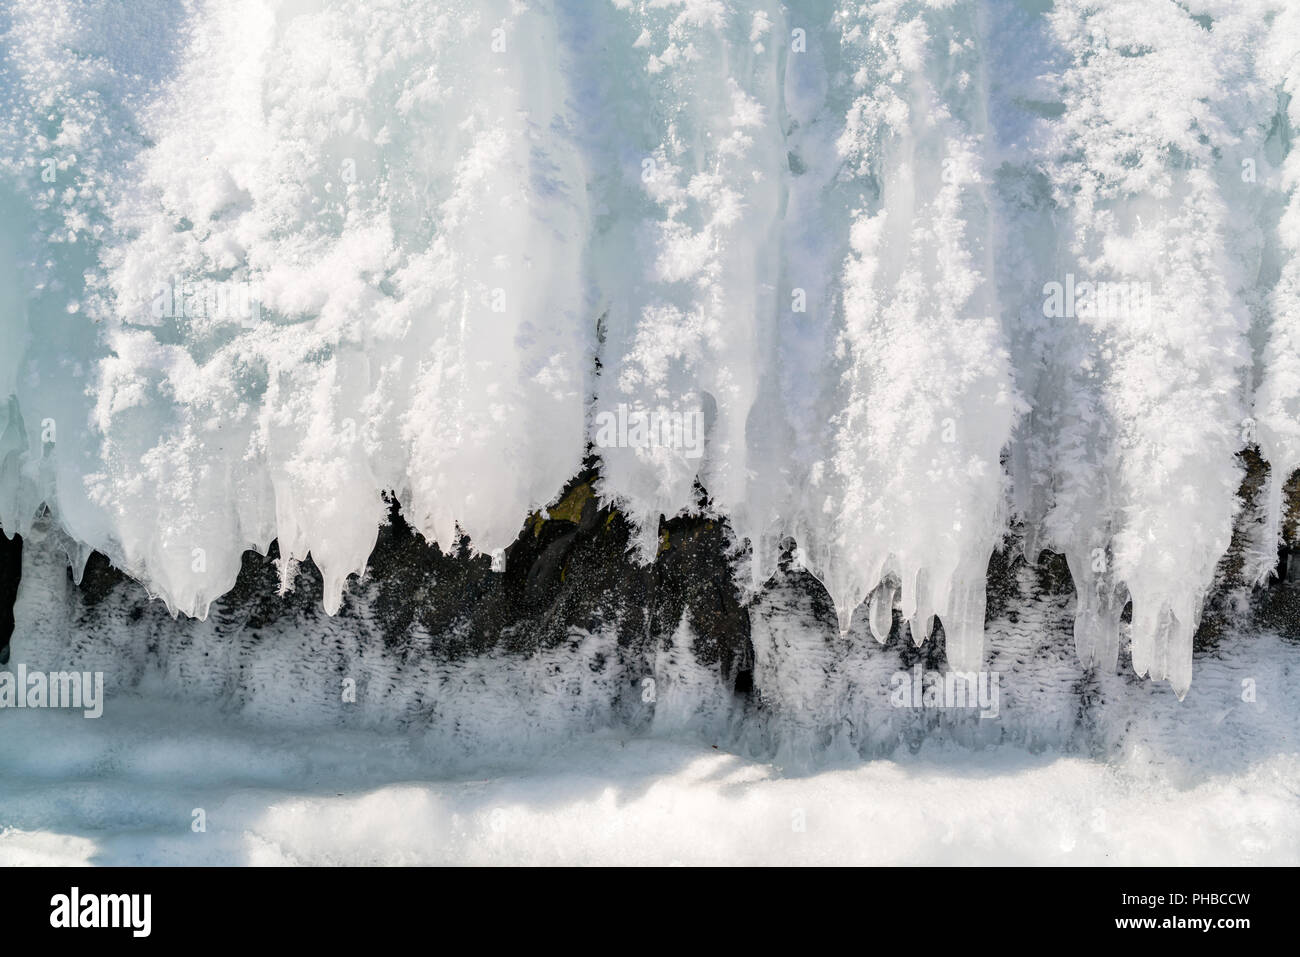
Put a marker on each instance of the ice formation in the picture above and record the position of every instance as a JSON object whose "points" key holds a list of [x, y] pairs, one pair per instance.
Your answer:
{"points": [[909, 271]]}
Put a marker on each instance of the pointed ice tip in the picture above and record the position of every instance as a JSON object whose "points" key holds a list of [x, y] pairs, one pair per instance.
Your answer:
{"points": [[845, 615], [877, 632], [921, 629]]}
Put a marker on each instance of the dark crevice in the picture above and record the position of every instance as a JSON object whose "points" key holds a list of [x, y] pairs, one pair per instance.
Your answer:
{"points": [[11, 571]]}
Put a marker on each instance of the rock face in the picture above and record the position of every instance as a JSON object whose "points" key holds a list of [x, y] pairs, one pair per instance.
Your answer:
{"points": [[574, 635], [1251, 562], [11, 567]]}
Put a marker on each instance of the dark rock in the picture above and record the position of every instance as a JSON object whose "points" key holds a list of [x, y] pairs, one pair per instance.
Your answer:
{"points": [[11, 570]]}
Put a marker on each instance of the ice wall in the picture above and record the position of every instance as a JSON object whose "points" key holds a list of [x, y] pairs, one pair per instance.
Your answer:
{"points": [[262, 261], [344, 259], [1163, 193]]}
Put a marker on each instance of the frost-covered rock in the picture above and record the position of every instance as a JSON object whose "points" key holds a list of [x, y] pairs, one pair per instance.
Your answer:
{"points": [[893, 279]]}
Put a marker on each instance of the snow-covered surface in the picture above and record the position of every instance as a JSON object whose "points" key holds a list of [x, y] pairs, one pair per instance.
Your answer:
{"points": [[826, 230], [562, 755], [123, 790]]}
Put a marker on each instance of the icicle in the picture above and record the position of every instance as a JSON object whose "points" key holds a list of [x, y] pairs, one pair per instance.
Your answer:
{"points": [[78, 556], [921, 619], [881, 613], [1096, 617], [963, 619]]}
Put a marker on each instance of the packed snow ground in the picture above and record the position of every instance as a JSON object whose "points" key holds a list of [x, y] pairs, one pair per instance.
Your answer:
{"points": [[123, 789]]}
